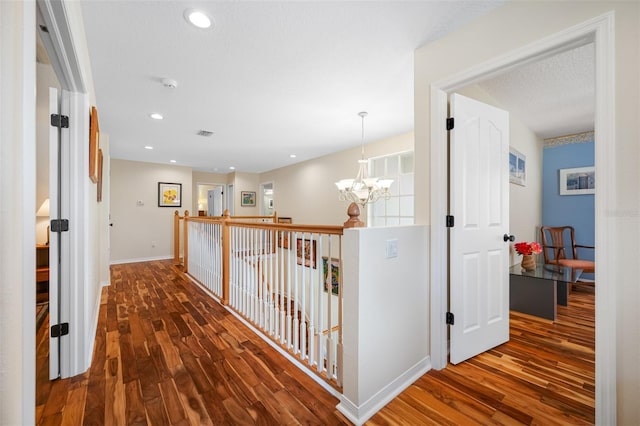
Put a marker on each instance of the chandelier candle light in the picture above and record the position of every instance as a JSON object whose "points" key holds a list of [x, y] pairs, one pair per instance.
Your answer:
{"points": [[363, 189]]}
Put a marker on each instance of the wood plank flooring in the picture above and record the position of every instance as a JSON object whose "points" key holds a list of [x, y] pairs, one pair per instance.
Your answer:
{"points": [[166, 353]]}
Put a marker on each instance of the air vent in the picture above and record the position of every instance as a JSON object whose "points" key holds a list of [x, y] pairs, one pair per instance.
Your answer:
{"points": [[205, 133]]}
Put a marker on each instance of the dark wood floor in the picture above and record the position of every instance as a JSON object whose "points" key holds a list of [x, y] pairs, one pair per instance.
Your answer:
{"points": [[165, 353]]}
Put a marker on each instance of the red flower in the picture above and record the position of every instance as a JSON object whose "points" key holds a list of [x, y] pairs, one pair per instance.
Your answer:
{"points": [[525, 248]]}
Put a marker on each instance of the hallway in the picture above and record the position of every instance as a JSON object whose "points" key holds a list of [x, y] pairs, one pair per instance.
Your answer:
{"points": [[166, 353]]}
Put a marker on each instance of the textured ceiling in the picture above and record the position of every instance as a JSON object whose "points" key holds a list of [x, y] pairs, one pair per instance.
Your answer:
{"points": [[270, 79], [554, 96], [278, 78]]}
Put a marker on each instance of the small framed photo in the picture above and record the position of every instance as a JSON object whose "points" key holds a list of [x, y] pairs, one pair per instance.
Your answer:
{"points": [[517, 167], [169, 194], [309, 256], [285, 220], [335, 274], [248, 198], [578, 181]]}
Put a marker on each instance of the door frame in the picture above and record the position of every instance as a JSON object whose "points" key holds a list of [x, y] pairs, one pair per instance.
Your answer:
{"points": [[600, 31], [77, 347]]}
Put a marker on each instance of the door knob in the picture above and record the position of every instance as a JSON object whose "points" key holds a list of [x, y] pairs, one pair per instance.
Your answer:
{"points": [[507, 237]]}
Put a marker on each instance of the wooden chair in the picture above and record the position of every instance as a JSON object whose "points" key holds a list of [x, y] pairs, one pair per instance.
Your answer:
{"points": [[559, 248]]}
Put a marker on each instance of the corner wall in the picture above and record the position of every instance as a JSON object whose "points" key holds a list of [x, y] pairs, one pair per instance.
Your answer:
{"points": [[385, 316], [144, 232]]}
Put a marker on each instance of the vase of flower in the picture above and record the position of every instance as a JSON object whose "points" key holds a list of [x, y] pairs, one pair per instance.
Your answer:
{"points": [[528, 250], [528, 262]]}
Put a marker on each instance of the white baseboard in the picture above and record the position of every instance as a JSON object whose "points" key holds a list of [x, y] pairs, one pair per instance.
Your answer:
{"points": [[360, 414], [141, 259]]}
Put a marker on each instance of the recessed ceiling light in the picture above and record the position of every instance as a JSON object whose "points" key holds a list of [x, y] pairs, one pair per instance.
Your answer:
{"points": [[231, 168], [148, 147], [172, 161], [197, 18], [156, 116], [292, 156]]}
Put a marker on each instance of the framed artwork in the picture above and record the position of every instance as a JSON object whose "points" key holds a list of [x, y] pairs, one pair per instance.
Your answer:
{"points": [[283, 239], [578, 181], [285, 220], [94, 142], [100, 160], [335, 274], [517, 167], [248, 198], [308, 254], [169, 194]]}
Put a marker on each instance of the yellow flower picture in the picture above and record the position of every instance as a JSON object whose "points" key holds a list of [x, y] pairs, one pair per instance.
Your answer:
{"points": [[169, 194]]}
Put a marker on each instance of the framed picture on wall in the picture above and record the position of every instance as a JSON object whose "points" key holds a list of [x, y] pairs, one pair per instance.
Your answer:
{"points": [[335, 274], [169, 194], [578, 181], [517, 167], [248, 198], [308, 247]]}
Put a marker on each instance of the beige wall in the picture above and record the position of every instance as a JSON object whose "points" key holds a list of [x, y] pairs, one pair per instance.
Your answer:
{"points": [[144, 232], [525, 202], [306, 191], [507, 29]]}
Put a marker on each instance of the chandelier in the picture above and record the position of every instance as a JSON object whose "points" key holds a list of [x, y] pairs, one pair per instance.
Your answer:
{"points": [[363, 189]]}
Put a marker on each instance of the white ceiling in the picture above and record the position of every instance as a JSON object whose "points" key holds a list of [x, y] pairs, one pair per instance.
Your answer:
{"points": [[278, 78], [554, 97]]}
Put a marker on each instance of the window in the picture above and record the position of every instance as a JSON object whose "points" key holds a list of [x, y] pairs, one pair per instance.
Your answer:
{"points": [[398, 209]]}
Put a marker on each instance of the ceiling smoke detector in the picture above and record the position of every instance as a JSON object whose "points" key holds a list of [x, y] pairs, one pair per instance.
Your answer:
{"points": [[205, 133], [169, 83]]}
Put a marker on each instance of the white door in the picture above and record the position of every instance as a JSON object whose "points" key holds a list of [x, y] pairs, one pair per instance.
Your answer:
{"points": [[479, 203], [214, 202], [230, 200]]}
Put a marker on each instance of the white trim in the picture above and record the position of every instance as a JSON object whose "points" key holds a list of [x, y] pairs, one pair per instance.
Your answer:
{"points": [[599, 30], [358, 415], [140, 259]]}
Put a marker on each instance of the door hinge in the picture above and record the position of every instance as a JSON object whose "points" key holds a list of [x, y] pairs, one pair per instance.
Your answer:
{"points": [[450, 221], [59, 330], [59, 120], [59, 225], [450, 123], [449, 318]]}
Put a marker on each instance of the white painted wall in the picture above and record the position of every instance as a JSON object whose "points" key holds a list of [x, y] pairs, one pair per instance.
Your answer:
{"points": [[525, 202], [17, 207], [136, 228], [306, 191], [385, 316], [245, 182], [509, 28]]}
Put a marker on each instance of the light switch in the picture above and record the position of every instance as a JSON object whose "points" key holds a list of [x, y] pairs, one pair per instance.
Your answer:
{"points": [[392, 248]]}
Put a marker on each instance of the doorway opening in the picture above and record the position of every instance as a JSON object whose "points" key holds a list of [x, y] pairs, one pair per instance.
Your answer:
{"points": [[595, 31], [210, 199], [266, 199]]}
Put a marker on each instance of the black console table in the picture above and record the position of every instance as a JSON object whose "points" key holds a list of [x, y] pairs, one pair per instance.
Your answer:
{"points": [[538, 292]]}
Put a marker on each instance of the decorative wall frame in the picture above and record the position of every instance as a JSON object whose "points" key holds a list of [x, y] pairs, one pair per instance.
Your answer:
{"points": [[169, 194], [517, 167], [578, 181], [309, 252], [94, 144], [247, 198], [335, 274]]}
